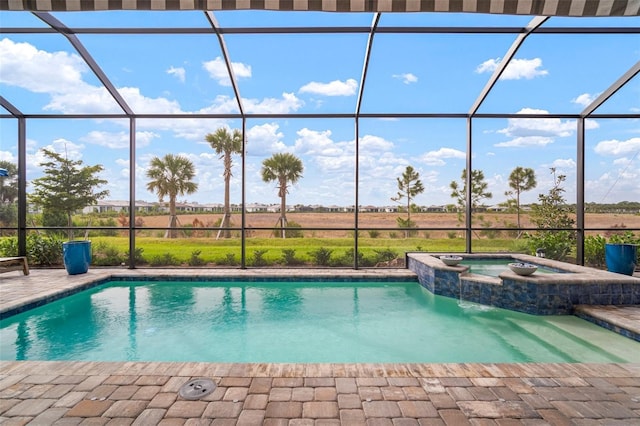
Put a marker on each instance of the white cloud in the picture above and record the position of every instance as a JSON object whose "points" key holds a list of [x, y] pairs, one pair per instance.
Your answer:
{"points": [[516, 69], [265, 139], [313, 142], [618, 148], [119, 140], [584, 99], [564, 164], [37, 70], [371, 143], [217, 70], [436, 158], [538, 131], [7, 156], [523, 141], [333, 88], [288, 103], [179, 72], [406, 78]]}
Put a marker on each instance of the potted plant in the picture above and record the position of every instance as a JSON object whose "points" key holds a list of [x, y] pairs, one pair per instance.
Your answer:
{"points": [[65, 188]]}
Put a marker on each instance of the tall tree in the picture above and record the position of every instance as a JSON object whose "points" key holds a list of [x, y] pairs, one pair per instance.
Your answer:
{"points": [[520, 180], [171, 175], [551, 211], [409, 185], [286, 169], [8, 184], [478, 191], [8, 194], [67, 186], [226, 144]]}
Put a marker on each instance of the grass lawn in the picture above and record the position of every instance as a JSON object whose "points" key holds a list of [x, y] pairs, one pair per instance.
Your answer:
{"points": [[270, 251]]}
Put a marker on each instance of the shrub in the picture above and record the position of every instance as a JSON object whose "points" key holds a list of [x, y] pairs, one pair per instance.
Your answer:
{"points": [[258, 258], [44, 250], [452, 234], [385, 255], [594, 250], [321, 256], [104, 254], [138, 257], [195, 259], [556, 244], [291, 231], [166, 259], [348, 259], [289, 257], [9, 247], [393, 235], [229, 260], [374, 233]]}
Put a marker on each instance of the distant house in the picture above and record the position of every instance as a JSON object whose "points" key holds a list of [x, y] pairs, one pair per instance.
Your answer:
{"points": [[434, 209], [257, 208]]}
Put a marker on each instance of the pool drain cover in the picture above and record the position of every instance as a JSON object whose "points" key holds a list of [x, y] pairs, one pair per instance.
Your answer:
{"points": [[197, 388]]}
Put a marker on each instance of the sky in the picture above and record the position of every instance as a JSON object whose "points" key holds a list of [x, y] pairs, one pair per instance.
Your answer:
{"points": [[322, 74]]}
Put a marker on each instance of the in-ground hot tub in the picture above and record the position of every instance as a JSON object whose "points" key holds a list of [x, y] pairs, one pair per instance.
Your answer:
{"points": [[557, 291]]}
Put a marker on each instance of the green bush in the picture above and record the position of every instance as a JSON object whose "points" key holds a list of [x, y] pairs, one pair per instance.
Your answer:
{"points": [[385, 255], [138, 257], [321, 256], [44, 249], [594, 251], [348, 259], [195, 259], [258, 258], [291, 231], [373, 233], [165, 259], [289, 257], [104, 254], [229, 260], [556, 244]]}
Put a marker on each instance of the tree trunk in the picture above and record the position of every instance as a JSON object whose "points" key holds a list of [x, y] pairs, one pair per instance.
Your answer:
{"points": [[171, 233], [226, 219], [283, 208], [69, 227]]}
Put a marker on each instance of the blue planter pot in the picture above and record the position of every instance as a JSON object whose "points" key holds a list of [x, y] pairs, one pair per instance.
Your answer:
{"points": [[76, 256], [621, 258]]}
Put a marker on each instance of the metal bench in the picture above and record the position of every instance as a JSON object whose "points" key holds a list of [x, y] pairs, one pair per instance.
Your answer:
{"points": [[8, 264]]}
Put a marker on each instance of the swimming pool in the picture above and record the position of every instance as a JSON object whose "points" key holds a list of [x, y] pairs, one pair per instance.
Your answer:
{"points": [[283, 321]]}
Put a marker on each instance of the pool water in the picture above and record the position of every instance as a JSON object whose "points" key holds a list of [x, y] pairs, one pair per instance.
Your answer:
{"points": [[296, 322], [494, 267]]}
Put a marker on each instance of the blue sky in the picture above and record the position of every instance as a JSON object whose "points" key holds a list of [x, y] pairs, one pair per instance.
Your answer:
{"points": [[320, 73]]}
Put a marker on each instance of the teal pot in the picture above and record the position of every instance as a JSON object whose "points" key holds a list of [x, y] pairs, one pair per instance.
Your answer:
{"points": [[76, 256], [621, 258]]}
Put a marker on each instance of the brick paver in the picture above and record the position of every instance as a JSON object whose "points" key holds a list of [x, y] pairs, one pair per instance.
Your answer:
{"points": [[140, 394], [500, 395]]}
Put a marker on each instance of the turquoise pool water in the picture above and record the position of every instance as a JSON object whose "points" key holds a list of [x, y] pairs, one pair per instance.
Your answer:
{"points": [[494, 267], [295, 322]]}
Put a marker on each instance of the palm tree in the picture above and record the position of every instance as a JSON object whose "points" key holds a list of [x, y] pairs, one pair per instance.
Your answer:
{"points": [[285, 168], [171, 176], [226, 144], [521, 180]]}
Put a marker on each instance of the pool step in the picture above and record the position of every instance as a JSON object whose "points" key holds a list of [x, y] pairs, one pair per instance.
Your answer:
{"points": [[619, 347], [517, 339], [577, 344]]}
